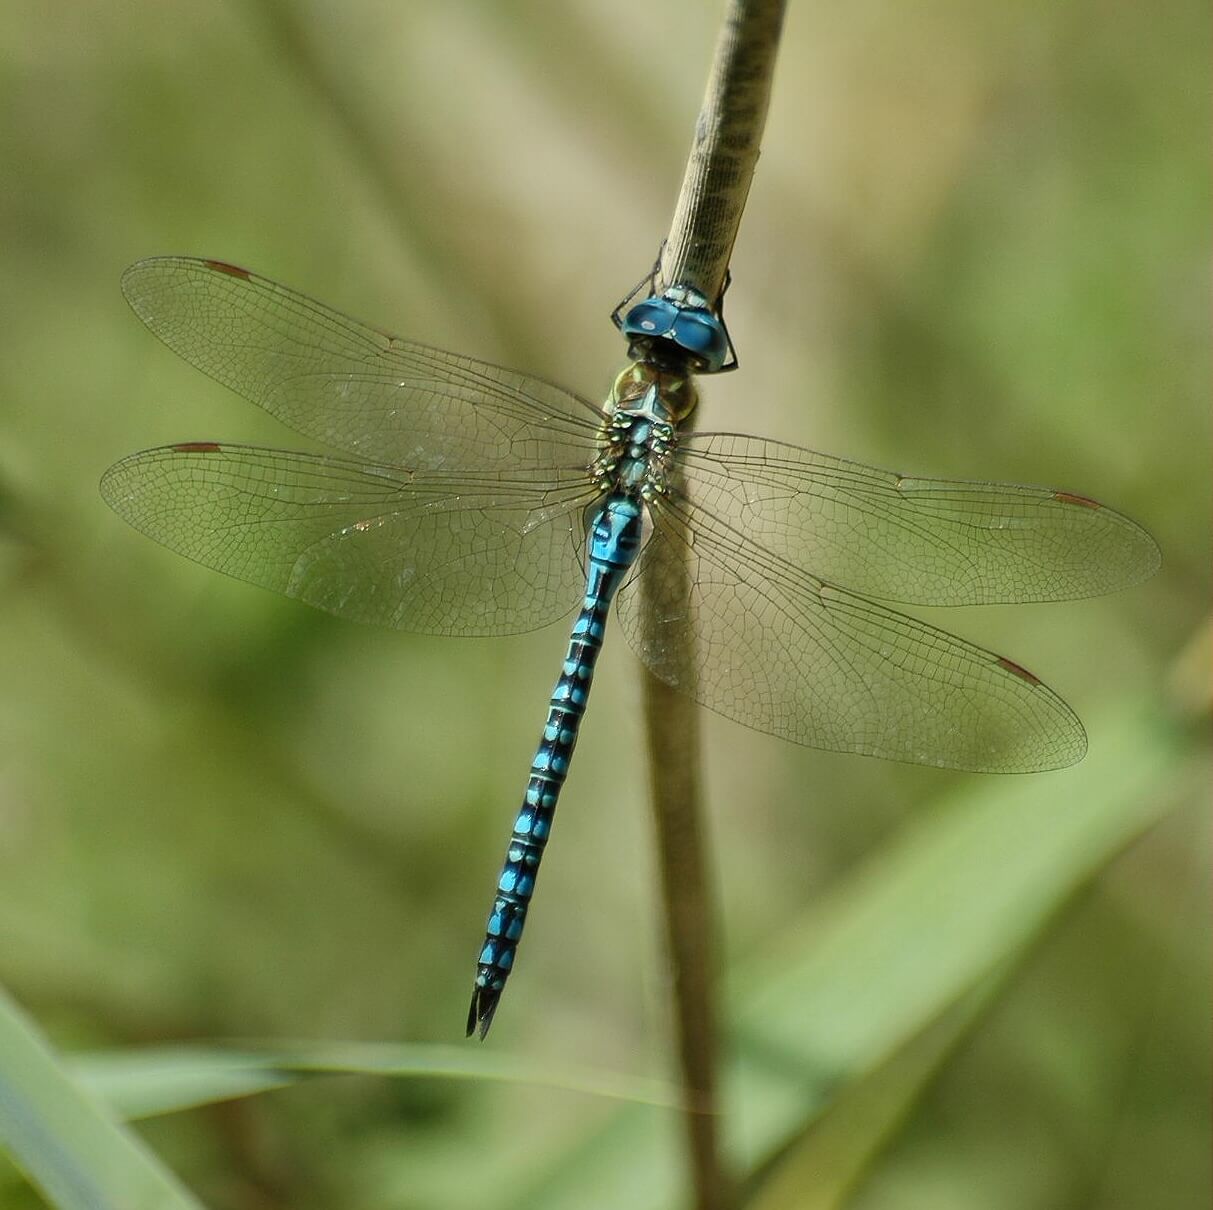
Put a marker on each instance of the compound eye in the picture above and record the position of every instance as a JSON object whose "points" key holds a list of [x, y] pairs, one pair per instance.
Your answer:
{"points": [[701, 333], [653, 317]]}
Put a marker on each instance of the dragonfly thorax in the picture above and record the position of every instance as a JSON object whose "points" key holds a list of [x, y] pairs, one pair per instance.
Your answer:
{"points": [[644, 388], [638, 438]]}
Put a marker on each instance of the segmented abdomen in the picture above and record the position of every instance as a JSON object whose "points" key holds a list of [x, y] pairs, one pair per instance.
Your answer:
{"points": [[614, 543]]}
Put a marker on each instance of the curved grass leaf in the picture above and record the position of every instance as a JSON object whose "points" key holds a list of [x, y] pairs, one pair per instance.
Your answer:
{"points": [[157, 1080], [821, 1170], [67, 1143]]}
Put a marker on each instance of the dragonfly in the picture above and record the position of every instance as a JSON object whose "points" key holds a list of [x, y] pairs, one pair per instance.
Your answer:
{"points": [[463, 498]]}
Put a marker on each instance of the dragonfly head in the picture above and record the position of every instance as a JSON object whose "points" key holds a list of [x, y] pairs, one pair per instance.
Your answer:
{"points": [[676, 327]]}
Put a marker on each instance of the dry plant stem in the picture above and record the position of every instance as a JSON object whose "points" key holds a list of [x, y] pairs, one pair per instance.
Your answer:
{"points": [[728, 134], [696, 252], [682, 850]]}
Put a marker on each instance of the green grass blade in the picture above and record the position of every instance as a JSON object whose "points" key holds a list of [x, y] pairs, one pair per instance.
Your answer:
{"points": [[820, 1170], [67, 1143], [150, 1081], [156, 1080]]}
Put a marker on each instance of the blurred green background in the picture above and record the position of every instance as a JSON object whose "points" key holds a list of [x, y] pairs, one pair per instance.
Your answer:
{"points": [[976, 246]]}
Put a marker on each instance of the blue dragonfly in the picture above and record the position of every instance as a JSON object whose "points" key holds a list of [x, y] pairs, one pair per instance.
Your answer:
{"points": [[469, 499]]}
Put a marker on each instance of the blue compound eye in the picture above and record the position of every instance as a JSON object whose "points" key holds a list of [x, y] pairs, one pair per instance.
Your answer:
{"points": [[653, 317], [693, 329], [701, 333]]}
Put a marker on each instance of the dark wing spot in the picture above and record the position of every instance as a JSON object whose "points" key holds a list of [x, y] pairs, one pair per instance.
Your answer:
{"points": [[1081, 501], [197, 447], [221, 266], [1018, 670]]}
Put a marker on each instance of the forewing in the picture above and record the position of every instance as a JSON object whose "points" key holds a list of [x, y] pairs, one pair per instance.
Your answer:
{"points": [[782, 651], [921, 541], [426, 552], [350, 385]]}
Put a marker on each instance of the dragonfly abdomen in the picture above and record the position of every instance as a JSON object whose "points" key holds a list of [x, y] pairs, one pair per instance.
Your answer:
{"points": [[615, 531]]}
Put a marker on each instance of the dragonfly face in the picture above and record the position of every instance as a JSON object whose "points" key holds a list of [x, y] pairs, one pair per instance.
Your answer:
{"points": [[677, 328], [468, 499]]}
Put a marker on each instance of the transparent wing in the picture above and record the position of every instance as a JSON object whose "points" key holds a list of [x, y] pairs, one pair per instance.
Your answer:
{"points": [[424, 552], [921, 541], [350, 385], [782, 651]]}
